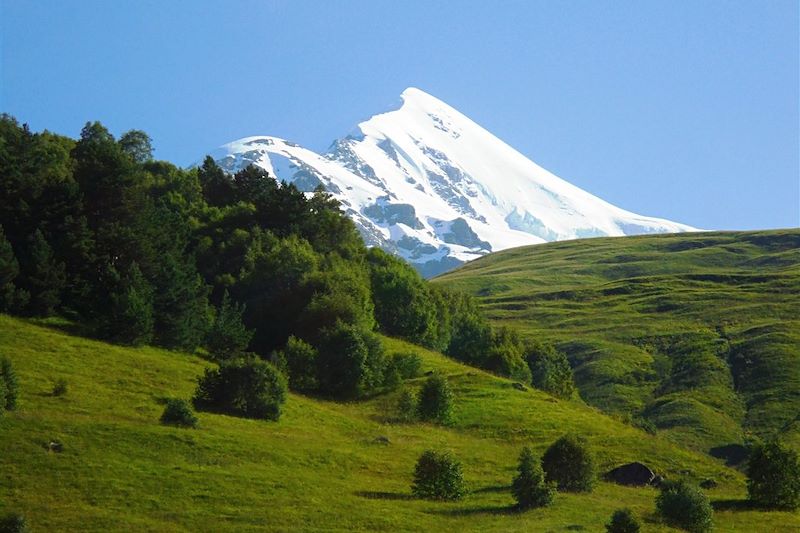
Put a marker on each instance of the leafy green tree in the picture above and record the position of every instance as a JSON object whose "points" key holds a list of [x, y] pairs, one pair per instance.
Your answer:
{"points": [[529, 486], [251, 388], [137, 144], [228, 337], [436, 400], [218, 188], [178, 412], [9, 270], [437, 476], [301, 361], [407, 406], [623, 521], [471, 338], [773, 476], [570, 464], [506, 355], [8, 377], [685, 506], [131, 318], [180, 303], [550, 370], [350, 363], [44, 276]]}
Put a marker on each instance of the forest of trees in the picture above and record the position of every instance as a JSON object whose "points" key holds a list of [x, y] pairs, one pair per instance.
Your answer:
{"points": [[141, 251]]}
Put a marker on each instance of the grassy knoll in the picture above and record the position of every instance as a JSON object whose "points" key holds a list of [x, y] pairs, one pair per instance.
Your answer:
{"points": [[697, 334], [319, 468]]}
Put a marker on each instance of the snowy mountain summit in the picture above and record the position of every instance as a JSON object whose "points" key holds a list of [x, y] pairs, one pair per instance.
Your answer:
{"points": [[430, 185]]}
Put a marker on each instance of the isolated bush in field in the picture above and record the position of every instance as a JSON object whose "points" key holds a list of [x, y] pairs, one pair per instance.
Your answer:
{"points": [[252, 388], [228, 337], [178, 412], [529, 486], [623, 521], [773, 476], [684, 506], [550, 370], [435, 401], [569, 463], [438, 476], [301, 364], [60, 387], [407, 406], [13, 523], [9, 389], [408, 364]]}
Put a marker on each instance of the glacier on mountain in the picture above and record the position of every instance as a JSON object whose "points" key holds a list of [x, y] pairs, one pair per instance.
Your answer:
{"points": [[427, 183]]}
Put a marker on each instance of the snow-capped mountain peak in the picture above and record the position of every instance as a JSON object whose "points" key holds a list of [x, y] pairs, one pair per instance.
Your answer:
{"points": [[427, 183]]}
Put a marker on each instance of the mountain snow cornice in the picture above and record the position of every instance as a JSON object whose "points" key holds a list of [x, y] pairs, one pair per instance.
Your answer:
{"points": [[430, 185]]}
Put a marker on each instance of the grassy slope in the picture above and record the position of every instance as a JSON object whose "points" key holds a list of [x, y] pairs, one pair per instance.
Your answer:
{"points": [[699, 333], [318, 468]]}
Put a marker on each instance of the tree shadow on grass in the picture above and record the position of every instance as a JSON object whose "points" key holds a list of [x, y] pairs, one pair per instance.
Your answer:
{"points": [[733, 505], [379, 495], [493, 488], [480, 510]]}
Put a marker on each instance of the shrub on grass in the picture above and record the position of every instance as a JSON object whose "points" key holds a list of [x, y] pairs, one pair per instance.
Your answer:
{"points": [[529, 486], [60, 387], [550, 370], [228, 337], [178, 412], [623, 521], [569, 463], [251, 388], [13, 523], [684, 506], [301, 362], [773, 477], [407, 406], [438, 476], [10, 385], [408, 365], [435, 402]]}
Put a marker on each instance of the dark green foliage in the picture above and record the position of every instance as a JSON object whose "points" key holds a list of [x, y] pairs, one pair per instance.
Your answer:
{"points": [[684, 506], [550, 370], [178, 412], [408, 365], [44, 276], [131, 317], [9, 270], [569, 463], [435, 402], [180, 303], [471, 338], [301, 363], [407, 406], [228, 337], [218, 189], [623, 521], [60, 387], [506, 356], [9, 388], [773, 476], [13, 523], [437, 476], [251, 388], [351, 361], [529, 486], [137, 145]]}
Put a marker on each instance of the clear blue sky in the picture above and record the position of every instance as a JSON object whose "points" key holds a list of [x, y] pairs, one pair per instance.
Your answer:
{"points": [[686, 109]]}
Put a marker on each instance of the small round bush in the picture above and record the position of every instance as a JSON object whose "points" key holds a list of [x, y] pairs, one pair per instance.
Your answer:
{"points": [[10, 386], [301, 362], [251, 388], [569, 463], [60, 387], [13, 523], [529, 486], [408, 365], [178, 412], [623, 521], [684, 506], [407, 406], [438, 476], [435, 402], [773, 477]]}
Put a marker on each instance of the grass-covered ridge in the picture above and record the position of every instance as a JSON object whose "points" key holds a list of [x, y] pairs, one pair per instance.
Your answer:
{"points": [[698, 334], [321, 467]]}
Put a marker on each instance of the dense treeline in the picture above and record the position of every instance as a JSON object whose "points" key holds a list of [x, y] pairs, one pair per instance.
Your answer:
{"points": [[145, 252]]}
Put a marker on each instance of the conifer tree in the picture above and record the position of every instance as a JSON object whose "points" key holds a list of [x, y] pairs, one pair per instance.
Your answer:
{"points": [[44, 276], [9, 270], [228, 337], [132, 310], [529, 486]]}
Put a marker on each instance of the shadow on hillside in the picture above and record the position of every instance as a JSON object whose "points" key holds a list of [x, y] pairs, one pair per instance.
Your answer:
{"points": [[480, 510], [732, 505], [732, 454], [493, 488], [73, 329], [377, 495]]}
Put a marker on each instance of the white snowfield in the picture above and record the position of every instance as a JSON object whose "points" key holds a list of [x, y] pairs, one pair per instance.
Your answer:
{"points": [[427, 183]]}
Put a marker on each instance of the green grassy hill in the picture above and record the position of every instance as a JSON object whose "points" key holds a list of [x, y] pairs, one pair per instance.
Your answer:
{"points": [[697, 334], [321, 467]]}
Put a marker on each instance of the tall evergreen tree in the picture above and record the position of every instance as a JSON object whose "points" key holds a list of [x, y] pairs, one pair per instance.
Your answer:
{"points": [[44, 276], [529, 486], [131, 320], [228, 337], [9, 270]]}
